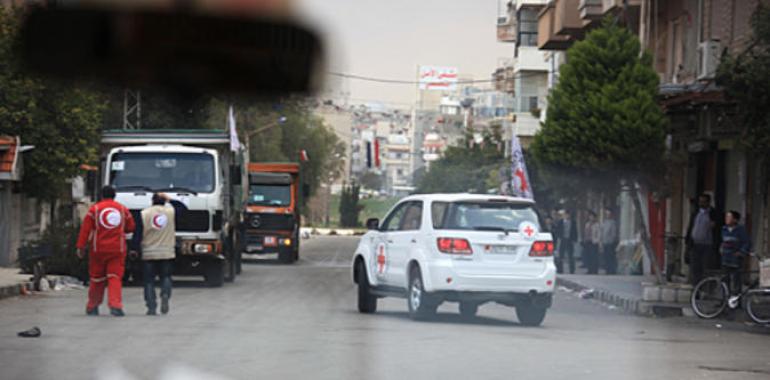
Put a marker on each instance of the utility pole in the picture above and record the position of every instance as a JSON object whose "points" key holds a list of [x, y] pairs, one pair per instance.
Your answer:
{"points": [[132, 109]]}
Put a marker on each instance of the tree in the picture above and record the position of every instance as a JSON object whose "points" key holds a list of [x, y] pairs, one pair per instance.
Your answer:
{"points": [[466, 166], [279, 131], [349, 207], [603, 119], [746, 80], [60, 119]]}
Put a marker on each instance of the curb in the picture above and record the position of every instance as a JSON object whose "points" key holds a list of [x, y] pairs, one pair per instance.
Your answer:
{"points": [[629, 305], [15, 290]]}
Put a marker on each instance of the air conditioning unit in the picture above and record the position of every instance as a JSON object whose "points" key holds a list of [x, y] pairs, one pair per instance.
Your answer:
{"points": [[708, 59]]}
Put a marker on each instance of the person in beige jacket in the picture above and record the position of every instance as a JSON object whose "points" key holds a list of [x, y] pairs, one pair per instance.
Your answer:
{"points": [[155, 242]]}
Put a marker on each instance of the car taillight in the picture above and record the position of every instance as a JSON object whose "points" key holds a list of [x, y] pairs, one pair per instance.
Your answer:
{"points": [[541, 249], [454, 246]]}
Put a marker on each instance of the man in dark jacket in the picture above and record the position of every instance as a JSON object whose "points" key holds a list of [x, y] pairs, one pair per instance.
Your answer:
{"points": [[566, 230], [703, 236]]}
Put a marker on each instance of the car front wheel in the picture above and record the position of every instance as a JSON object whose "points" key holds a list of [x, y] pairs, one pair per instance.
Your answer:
{"points": [[530, 315], [367, 302], [421, 306]]}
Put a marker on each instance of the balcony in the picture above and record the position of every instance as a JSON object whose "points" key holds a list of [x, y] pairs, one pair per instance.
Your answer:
{"points": [[613, 5], [530, 3], [547, 39], [590, 10], [504, 79], [530, 58], [506, 29], [567, 19]]}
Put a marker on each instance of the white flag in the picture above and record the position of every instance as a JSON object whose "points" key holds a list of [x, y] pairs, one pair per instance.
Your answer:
{"points": [[520, 185], [235, 144]]}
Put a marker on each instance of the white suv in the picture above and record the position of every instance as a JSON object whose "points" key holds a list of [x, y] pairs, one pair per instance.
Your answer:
{"points": [[465, 248]]}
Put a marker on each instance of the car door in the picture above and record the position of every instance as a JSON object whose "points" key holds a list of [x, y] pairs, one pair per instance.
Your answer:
{"points": [[381, 245], [400, 243]]}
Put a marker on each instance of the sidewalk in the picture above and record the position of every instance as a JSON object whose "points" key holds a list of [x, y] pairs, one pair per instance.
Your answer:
{"points": [[12, 282], [632, 294]]}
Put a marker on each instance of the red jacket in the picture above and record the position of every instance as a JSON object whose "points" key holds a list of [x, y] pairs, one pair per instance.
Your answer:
{"points": [[105, 226]]}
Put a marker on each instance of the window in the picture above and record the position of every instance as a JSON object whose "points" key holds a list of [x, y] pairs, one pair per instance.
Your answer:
{"points": [[163, 171], [481, 215], [393, 221], [412, 217], [437, 212], [528, 19]]}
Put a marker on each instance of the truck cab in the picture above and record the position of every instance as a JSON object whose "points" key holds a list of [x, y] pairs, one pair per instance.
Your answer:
{"points": [[271, 217]]}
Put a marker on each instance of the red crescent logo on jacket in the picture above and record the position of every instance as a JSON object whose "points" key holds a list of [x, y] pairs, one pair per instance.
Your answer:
{"points": [[159, 221], [110, 218]]}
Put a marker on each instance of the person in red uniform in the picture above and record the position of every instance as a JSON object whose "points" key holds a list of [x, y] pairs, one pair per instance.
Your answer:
{"points": [[104, 230]]}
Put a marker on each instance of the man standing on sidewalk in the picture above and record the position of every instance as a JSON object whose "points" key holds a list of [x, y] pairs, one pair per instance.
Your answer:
{"points": [[104, 230], [702, 233], [591, 236], [609, 242], [567, 231], [155, 240]]}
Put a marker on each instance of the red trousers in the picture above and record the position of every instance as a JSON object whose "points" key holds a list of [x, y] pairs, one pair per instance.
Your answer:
{"points": [[106, 270]]}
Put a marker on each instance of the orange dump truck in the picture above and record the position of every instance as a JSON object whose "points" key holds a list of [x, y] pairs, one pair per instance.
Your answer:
{"points": [[271, 218]]}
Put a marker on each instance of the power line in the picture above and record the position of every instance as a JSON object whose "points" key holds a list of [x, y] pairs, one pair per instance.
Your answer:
{"points": [[414, 82]]}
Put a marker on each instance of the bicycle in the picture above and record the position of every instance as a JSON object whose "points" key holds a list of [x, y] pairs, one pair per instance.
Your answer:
{"points": [[711, 296]]}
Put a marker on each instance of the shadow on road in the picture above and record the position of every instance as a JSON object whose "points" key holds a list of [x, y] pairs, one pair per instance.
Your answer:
{"points": [[450, 318]]}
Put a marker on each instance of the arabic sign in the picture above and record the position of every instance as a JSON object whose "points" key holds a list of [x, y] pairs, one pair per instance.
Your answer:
{"points": [[438, 78]]}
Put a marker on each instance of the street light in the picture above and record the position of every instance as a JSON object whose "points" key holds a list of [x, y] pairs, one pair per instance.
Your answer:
{"points": [[250, 134]]}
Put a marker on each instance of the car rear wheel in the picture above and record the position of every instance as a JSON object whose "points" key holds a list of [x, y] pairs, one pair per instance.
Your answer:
{"points": [[367, 302], [468, 309], [530, 315], [420, 304]]}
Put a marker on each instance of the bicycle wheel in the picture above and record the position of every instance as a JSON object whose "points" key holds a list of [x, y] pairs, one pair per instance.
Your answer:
{"points": [[709, 298], [758, 305]]}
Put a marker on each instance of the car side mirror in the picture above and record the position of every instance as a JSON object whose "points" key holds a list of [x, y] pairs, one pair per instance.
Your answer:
{"points": [[373, 224], [235, 175]]}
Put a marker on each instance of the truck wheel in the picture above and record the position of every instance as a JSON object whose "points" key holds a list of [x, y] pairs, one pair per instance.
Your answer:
{"points": [[367, 302], [286, 256], [215, 275], [421, 305], [530, 315]]}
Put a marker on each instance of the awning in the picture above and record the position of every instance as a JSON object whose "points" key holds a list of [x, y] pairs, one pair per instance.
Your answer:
{"points": [[673, 95], [9, 158]]}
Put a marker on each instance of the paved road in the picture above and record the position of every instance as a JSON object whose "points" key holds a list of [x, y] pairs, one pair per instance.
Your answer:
{"points": [[300, 322]]}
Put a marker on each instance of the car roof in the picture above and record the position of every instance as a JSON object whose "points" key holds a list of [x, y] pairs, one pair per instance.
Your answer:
{"points": [[455, 197]]}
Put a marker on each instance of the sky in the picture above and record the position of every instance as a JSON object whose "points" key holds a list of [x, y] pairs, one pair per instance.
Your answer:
{"points": [[390, 38]]}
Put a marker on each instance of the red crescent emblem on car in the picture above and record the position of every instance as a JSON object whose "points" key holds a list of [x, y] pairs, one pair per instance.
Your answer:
{"points": [[381, 258], [110, 218], [159, 221]]}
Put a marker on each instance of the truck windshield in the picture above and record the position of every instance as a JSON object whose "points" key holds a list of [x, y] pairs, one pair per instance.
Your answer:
{"points": [[270, 195], [163, 171]]}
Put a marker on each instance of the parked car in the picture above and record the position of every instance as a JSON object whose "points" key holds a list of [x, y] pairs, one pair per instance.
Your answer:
{"points": [[465, 248]]}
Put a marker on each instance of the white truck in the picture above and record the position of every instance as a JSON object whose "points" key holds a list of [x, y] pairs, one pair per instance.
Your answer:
{"points": [[195, 167]]}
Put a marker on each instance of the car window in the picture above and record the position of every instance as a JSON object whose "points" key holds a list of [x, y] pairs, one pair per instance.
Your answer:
{"points": [[487, 216], [437, 212], [412, 217], [393, 220]]}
